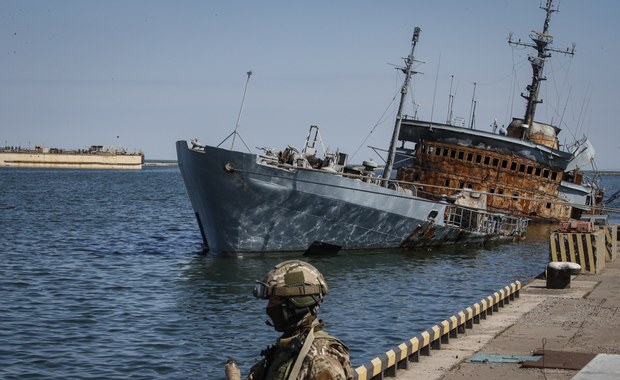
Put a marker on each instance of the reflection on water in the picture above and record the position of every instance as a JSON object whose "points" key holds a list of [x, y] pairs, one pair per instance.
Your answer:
{"points": [[376, 300], [101, 277]]}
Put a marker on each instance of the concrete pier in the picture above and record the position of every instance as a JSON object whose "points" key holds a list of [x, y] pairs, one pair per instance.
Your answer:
{"points": [[566, 323], [33, 159]]}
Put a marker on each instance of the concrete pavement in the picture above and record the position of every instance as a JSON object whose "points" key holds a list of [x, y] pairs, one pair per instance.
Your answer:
{"points": [[584, 318]]}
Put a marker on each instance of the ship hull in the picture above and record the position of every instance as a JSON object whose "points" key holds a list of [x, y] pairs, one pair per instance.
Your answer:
{"points": [[243, 206]]}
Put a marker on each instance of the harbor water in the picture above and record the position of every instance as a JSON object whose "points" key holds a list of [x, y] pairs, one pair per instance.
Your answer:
{"points": [[102, 276]]}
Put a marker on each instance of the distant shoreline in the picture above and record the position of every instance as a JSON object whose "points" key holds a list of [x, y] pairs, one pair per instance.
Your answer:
{"points": [[603, 172], [160, 163]]}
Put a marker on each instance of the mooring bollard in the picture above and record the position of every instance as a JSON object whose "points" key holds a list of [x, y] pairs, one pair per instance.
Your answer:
{"points": [[558, 274]]}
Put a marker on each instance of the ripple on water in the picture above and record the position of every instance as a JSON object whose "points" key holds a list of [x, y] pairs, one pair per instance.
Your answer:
{"points": [[101, 277]]}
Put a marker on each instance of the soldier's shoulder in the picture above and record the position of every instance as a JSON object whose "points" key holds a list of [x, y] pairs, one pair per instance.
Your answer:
{"points": [[329, 343], [329, 359]]}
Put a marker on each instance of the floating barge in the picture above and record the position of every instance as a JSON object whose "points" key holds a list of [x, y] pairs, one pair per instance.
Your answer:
{"points": [[95, 157]]}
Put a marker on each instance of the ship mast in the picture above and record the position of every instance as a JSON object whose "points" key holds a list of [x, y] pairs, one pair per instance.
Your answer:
{"points": [[541, 40], [403, 97]]}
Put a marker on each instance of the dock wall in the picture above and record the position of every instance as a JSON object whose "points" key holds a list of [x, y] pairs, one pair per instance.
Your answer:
{"points": [[400, 357], [71, 161]]}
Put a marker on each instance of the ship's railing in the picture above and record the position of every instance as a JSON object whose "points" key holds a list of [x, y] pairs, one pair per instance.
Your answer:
{"points": [[485, 222], [470, 219]]}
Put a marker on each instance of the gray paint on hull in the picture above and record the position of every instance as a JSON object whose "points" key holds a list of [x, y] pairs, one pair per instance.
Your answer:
{"points": [[262, 208]]}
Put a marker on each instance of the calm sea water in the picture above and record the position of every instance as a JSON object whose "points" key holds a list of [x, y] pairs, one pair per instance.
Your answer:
{"points": [[102, 276]]}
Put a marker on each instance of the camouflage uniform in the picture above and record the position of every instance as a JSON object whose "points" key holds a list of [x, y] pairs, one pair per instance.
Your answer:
{"points": [[304, 351], [328, 358]]}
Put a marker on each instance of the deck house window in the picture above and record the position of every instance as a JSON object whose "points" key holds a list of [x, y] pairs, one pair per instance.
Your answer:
{"points": [[548, 205], [461, 154], [513, 166], [438, 152], [461, 184], [487, 159], [538, 172], [445, 152], [504, 164], [446, 182], [522, 168], [470, 157], [495, 162], [500, 191], [546, 173], [452, 153], [478, 158], [492, 190], [554, 176]]}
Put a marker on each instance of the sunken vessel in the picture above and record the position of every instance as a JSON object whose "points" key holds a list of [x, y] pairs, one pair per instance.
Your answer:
{"points": [[521, 170], [311, 200]]}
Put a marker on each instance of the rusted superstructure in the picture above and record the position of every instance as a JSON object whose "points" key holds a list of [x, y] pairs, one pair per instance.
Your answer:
{"points": [[521, 170]]}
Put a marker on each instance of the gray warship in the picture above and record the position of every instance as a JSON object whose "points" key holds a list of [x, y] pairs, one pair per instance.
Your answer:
{"points": [[300, 201]]}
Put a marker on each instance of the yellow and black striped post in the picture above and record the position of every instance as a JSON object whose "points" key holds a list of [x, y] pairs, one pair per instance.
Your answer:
{"points": [[611, 241], [584, 248]]}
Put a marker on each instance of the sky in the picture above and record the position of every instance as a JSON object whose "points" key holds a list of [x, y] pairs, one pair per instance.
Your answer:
{"points": [[144, 74]]}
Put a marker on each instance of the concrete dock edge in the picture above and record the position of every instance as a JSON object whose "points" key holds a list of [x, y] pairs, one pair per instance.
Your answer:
{"points": [[581, 318], [395, 362]]}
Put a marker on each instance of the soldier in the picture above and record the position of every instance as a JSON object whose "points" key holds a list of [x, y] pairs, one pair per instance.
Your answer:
{"points": [[295, 290]]}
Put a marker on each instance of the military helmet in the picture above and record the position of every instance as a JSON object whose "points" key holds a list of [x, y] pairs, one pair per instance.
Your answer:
{"points": [[295, 280]]}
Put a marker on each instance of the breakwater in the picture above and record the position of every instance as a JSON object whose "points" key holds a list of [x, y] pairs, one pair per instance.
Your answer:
{"points": [[33, 159]]}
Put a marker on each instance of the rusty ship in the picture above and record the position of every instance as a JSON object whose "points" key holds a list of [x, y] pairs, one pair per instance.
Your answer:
{"points": [[311, 200], [521, 170]]}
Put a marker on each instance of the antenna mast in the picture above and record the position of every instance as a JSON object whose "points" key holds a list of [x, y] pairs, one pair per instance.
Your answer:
{"points": [[450, 102], [235, 133], [403, 96], [472, 111], [541, 40]]}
